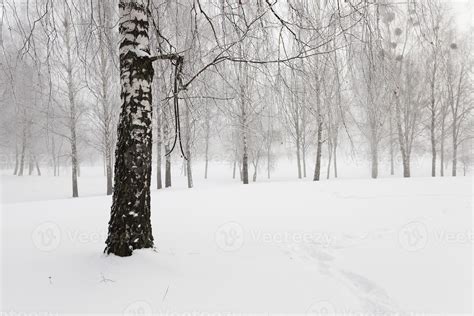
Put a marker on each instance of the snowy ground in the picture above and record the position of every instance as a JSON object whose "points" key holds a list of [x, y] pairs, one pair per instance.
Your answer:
{"points": [[349, 246]]}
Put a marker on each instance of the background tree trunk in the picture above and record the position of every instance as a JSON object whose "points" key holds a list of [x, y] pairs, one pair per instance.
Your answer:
{"points": [[72, 107], [245, 157], [234, 168], [441, 149], [15, 171], [374, 159], [166, 138], [319, 140], [30, 164], [335, 158], [108, 170], [207, 138], [392, 167], [22, 154], [167, 169], [433, 120], [188, 160], [159, 145], [298, 155], [245, 164], [38, 171], [330, 151]]}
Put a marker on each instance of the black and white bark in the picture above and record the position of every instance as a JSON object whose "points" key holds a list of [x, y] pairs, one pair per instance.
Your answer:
{"points": [[130, 225]]}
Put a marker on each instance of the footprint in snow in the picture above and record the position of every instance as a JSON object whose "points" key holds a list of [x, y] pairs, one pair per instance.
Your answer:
{"points": [[373, 298]]}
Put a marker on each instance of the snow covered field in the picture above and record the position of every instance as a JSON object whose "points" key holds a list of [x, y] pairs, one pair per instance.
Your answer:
{"points": [[349, 246]]}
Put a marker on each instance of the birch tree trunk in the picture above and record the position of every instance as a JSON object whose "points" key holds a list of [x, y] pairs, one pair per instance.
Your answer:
{"points": [[303, 157], [296, 119], [303, 136], [433, 119], [255, 170], [72, 106], [374, 155], [243, 113], [162, 133], [207, 138], [319, 140], [455, 146], [107, 117], [130, 225], [159, 145], [37, 166], [53, 152], [245, 164], [330, 151], [166, 141], [268, 162], [390, 122], [167, 168], [402, 141], [30, 163], [15, 171], [234, 167], [441, 141], [240, 170], [22, 154], [59, 162], [335, 157], [298, 155], [188, 160], [107, 126], [457, 120]]}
